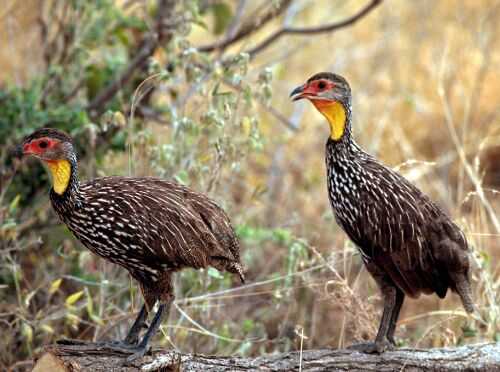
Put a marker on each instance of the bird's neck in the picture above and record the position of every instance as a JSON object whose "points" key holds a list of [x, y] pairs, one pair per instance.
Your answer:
{"points": [[65, 184], [60, 171], [338, 115]]}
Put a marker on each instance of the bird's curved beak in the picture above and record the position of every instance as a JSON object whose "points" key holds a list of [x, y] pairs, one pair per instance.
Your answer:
{"points": [[298, 93], [23, 150], [17, 152], [305, 91]]}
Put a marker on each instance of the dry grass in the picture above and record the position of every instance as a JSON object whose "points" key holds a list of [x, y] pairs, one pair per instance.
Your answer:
{"points": [[425, 82]]}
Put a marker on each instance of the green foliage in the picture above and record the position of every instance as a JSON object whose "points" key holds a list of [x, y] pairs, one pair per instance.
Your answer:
{"points": [[222, 14], [21, 111], [204, 109], [202, 119]]}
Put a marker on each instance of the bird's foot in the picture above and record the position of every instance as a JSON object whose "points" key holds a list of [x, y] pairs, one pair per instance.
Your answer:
{"points": [[138, 352], [120, 347], [134, 352], [372, 347], [131, 339], [72, 342], [391, 340], [85, 343]]}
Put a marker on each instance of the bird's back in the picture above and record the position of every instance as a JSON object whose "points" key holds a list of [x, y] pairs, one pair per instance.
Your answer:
{"points": [[149, 225]]}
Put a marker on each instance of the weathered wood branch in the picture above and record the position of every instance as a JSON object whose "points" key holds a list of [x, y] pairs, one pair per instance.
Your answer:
{"points": [[473, 358]]}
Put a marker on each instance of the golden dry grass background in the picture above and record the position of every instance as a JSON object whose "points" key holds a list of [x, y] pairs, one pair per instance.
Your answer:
{"points": [[425, 77]]}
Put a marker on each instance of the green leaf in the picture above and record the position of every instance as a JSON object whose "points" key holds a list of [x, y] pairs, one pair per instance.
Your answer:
{"points": [[248, 325], [73, 298], [47, 328], [27, 332], [14, 203], [223, 14], [90, 303], [283, 236], [182, 177], [214, 273], [54, 286], [469, 331]]}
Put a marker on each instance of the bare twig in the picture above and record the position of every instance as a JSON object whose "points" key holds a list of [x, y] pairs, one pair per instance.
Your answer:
{"points": [[247, 29], [329, 27], [235, 24], [270, 109], [146, 50]]}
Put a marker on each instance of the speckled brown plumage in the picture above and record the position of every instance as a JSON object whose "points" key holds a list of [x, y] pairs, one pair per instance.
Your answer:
{"points": [[408, 244], [149, 226]]}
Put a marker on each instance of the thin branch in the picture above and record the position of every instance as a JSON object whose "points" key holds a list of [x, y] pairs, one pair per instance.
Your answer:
{"points": [[329, 27], [271, 110], [146, 50], [235, 24], [247, 29]]}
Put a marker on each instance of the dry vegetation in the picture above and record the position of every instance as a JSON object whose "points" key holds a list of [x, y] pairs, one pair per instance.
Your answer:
{"points": [[425, 78]]}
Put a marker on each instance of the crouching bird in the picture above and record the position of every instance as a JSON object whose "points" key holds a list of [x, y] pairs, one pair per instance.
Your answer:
{"points": [[408, 244], [149, 226]]}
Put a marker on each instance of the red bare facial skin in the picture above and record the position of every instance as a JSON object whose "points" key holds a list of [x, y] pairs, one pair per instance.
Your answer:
{"points": [[28, 149], [312, 89], [38, 147]]}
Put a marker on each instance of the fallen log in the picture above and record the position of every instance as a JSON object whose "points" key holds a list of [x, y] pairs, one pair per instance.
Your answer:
{"points": [[472, 358]]}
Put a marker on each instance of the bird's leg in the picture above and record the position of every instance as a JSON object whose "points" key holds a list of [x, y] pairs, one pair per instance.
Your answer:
{"points": [[382, 343], [462, 286], [142, 347], [163, 291], [133, 334], [138, 350], [400, 297]]}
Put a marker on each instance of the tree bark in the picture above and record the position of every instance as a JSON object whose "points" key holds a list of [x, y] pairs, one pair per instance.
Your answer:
{"points": [[472, 358]]}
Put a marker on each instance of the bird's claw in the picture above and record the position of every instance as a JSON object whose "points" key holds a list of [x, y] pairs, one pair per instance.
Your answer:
{"points": [[70, 342], [372, 347], [138, 353], [121, 347], [88, 344]]}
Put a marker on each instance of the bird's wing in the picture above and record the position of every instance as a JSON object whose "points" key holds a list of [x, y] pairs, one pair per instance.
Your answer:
{"points": [[403, 229], [169, 224]]}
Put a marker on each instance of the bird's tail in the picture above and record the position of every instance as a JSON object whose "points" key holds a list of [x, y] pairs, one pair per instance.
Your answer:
{"points": [[237, 268], [463, 288]]}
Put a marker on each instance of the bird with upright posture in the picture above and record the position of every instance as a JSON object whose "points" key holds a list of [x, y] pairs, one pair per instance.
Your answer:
{"points": [[407, 243], [149, 226]]}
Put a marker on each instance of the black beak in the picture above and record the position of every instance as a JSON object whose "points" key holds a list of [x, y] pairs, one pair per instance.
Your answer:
{"points": [[296, 93], [16, 152]]}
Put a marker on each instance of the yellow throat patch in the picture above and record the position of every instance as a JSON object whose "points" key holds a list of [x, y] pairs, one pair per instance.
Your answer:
{"points": [[61, 173], [335, 113]]}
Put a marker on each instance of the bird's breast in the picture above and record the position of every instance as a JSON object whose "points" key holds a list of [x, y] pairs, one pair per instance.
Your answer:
{"points": [[344, 187]]}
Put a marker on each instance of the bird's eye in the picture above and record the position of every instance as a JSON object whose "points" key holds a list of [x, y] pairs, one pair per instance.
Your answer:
{"points": [[43, 144], [321, 85]]}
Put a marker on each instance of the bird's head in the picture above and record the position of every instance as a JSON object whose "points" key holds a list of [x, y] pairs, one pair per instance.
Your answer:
{"points": [[331, 95], [55, 149], [47, 144]]}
